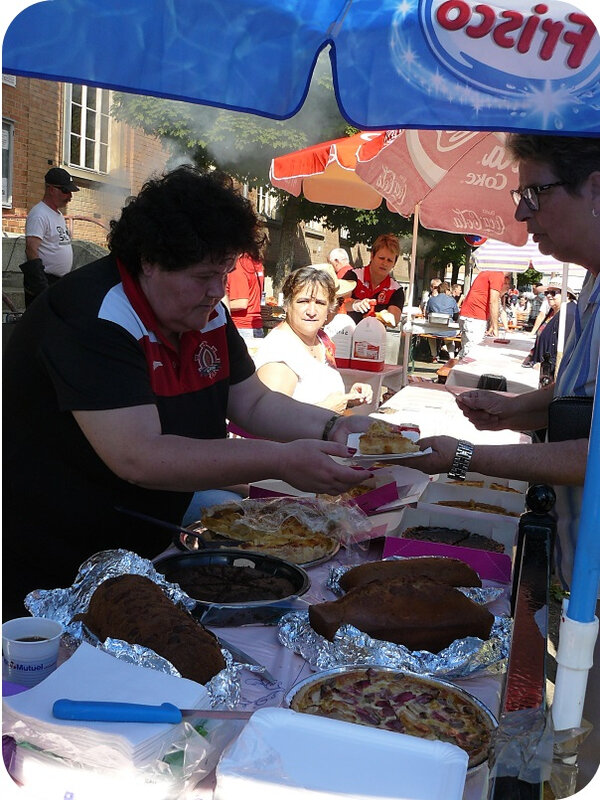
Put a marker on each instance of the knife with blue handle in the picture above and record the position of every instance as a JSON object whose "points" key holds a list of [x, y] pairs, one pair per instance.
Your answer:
{"points": [[106, 711]]}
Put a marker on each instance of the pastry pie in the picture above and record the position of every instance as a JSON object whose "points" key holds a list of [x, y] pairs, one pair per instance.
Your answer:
{"points": [[282, 527], [499, 487], [381, 437], [401, 702], [474, 505], [462, 537]]}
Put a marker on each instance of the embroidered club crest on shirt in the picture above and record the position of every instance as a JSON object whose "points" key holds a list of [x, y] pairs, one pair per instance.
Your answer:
{"points": [[208, 360]]}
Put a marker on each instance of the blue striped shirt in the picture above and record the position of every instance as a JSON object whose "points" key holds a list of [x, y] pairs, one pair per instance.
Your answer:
{"points": [[576, 376]]}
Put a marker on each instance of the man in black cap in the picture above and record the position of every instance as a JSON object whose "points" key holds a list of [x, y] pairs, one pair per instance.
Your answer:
{"points": [[47, 239]]}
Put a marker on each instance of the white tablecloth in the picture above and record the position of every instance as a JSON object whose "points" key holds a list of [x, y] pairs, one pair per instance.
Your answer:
{"points": [[492, 358], [433, 407]]}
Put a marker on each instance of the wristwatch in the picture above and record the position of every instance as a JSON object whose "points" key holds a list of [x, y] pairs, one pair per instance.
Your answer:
{"points": [[329, 426], [462, 460]]}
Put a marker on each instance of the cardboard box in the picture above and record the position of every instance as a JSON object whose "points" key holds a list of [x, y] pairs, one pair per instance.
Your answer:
{"points": [[513, 503], [489, 566], [487, 481]]}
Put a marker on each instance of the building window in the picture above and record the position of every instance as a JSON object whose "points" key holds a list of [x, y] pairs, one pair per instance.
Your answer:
{"points": [[267, 202], [7, 162], [314, 225], [87, 127]]}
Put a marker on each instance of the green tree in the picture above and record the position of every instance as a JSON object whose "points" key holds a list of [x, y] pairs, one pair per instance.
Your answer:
{"points": [[529, 278]]}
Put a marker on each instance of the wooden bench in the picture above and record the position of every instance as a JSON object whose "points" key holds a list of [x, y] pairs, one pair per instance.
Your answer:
{"points": [[444, 370]]}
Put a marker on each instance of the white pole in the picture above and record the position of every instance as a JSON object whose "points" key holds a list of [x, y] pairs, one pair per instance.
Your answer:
{"points": [[562, 320], [576, 641], [407, 328]]}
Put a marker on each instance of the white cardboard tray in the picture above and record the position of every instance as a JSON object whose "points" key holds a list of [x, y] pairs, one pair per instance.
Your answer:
{"points": [[436, 491]]}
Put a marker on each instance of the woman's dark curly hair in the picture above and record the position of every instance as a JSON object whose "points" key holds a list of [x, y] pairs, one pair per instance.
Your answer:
{"points": [[571, 158], [182, 218]]}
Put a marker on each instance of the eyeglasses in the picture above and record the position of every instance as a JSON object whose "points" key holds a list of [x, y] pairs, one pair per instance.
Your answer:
{"points": [[62, 189], [531, 194], [551, 293]]}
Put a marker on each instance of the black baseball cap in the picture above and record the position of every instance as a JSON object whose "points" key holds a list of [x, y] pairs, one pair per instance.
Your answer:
{"points": [[61, 178]]}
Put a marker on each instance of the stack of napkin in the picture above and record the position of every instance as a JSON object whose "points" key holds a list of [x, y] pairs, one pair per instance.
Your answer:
{"points": [[91, 674]]}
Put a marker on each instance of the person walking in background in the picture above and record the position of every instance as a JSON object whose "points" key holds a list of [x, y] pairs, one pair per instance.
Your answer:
{"points": [[536, 306], [376, 290], [546, 340], [244, 293], [481, 304], [340, 261], [47, 239]]}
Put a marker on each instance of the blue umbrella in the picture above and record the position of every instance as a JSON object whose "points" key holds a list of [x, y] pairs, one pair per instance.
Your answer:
{"points": [[450, 64], [408, 63]]}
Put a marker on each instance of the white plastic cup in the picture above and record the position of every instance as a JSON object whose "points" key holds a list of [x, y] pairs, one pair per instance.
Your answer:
{"points": [[29, 649]]}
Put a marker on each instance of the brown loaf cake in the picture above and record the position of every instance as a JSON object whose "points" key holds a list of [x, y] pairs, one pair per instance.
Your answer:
{"points": [[135, 609], [450, 571], [421, 615]]}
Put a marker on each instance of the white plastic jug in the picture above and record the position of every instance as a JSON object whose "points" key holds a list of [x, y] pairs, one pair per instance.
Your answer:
{"points": [[368, 345]]}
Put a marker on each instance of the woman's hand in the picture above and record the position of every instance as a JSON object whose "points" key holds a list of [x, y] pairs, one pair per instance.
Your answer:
{"points": [[353, 423], [307, 465], [360, 393]]}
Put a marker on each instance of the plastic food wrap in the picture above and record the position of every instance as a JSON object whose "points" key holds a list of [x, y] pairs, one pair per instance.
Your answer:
{"points": [[290, 521]]}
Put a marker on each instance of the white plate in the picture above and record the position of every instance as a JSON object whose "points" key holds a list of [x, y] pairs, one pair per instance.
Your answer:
{"points": [[354, 443]]}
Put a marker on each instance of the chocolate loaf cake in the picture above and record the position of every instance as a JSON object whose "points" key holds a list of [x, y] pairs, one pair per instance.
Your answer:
{"points": [[135, 609], [450, 571], [421, 615]]}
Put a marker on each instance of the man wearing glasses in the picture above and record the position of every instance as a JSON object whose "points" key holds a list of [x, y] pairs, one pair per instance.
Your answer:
{"points": [[47, 239]]}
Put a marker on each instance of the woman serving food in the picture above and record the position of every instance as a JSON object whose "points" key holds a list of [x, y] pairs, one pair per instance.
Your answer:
{"points": [[376, 292], [297, 358]]}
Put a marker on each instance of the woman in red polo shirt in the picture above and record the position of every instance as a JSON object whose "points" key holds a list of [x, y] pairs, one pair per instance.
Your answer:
{"points": [[375, 283]]}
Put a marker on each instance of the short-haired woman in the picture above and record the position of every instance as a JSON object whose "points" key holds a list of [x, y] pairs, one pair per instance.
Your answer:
{"points": [[376, 290]]}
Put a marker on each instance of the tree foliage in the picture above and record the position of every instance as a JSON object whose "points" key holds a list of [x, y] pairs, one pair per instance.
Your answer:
{"points": [[243, 145], [240, 144]]}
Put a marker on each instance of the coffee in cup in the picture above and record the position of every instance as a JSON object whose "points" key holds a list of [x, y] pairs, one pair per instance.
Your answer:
{"points": [[29, 649]]}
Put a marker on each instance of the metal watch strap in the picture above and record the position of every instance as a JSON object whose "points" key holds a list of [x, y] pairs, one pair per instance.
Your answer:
{"points": [[329, 426], [462, 461]]}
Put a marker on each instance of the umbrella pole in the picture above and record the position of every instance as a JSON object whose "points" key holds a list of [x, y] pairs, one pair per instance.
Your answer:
{"points": [[562, 320], [579, 625], [407, 328]]}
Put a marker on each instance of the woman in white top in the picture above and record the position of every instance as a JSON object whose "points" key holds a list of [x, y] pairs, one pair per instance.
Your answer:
{"points": [[297, 357]]}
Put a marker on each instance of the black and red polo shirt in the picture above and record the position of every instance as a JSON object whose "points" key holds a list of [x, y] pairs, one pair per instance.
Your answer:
{"points": [[91, 342], [387, 293]]}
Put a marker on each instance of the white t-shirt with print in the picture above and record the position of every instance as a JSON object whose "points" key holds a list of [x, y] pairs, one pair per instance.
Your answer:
{"points": [[55, 249]]}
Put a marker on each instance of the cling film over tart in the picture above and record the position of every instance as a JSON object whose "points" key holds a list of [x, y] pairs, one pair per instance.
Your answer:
{"points": [[298, 529]]}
